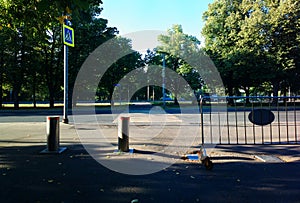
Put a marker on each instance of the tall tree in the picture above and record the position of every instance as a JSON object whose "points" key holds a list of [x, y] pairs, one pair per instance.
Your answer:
{"points": [[121, 67], [173, 44], [31, 32], [252, 41]]}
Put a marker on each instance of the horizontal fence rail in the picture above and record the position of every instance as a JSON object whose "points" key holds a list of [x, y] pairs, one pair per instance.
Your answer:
{"points": [[250, 120]]}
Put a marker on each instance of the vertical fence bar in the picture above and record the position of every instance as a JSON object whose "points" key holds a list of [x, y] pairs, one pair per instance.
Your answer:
{"points": [[219, 122], [236, 125], [278, 115], [262, 127], [271, 131], [228, 132], [295, 116], [253, 126], [210, 125], [287, 120], [201, 120], [245, 124]]}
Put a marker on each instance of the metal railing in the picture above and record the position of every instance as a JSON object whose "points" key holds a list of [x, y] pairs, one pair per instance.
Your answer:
{"points": [[229, 120]]}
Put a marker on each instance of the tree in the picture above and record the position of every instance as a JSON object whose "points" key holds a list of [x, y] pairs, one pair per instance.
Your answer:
{"points": [[91, 31], [252, 41], [173, 46], [31, 44], [283, 39], [17, 31], [121, 67]]}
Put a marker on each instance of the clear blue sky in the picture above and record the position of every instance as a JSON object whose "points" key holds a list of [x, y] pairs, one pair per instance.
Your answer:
{"points": [[136, 15]]}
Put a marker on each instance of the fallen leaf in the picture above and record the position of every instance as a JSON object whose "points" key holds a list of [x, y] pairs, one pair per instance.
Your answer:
{"points": [[134, 201], [192, 177], [50, 181]]}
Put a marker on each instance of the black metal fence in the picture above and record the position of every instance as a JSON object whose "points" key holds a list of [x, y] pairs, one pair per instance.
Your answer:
{"points": [[250, 120]]}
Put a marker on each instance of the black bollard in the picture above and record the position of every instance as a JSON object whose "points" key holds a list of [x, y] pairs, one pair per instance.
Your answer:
{"points": [[52, 134], [123, 134]]}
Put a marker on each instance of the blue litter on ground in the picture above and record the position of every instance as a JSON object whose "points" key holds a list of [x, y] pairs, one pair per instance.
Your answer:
{"points": [[131, 151], [58, 151], [193, 157]]}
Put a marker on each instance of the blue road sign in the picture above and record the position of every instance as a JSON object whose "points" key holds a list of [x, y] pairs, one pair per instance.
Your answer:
{"points": [[68, 35]]}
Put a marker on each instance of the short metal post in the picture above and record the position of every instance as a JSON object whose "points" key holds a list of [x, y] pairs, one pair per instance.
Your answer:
{"points": [[123, 134], [52, 133]]}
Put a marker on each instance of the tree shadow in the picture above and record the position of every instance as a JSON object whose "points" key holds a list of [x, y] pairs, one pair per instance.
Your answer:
{"points": [[74, 176]]}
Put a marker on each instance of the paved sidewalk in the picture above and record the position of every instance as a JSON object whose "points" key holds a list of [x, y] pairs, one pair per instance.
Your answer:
{"points": [[74, 176]]}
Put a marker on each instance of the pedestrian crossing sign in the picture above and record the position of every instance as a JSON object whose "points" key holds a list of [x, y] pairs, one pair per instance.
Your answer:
{"points": [[68, 35]]}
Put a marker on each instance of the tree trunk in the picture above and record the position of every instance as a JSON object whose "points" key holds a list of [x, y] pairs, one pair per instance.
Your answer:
{"points": [[230, 94], [51, 100], [70, 98], [51, 88], [111, 91], [34, 99], [34, 90], [275, 92], [16, 97], [284, 88], [247, 91], [176, 101]]}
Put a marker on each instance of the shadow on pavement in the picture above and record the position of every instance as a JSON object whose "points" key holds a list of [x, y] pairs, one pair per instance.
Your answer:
{"points": [[27, 176]]}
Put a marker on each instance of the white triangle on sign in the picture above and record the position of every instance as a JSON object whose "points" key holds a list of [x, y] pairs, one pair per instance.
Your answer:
{"points": [[68, 36]]}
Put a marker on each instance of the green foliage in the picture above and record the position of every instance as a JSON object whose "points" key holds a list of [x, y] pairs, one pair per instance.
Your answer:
{"points": [[31, 61], [120, 68], [253, 41], [174, 45]]}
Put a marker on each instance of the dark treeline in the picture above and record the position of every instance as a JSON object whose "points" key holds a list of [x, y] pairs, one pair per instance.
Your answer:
{"points": [[31, 62], [254, 45]]}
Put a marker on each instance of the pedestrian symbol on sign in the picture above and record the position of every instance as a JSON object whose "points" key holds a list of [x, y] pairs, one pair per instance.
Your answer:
{"points": [[68, 35]]}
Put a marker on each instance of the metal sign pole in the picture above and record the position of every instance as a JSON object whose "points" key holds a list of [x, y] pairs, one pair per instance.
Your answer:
{"points": [[65, 116], [68, 38]]}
